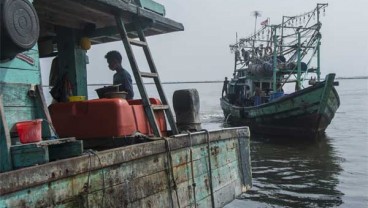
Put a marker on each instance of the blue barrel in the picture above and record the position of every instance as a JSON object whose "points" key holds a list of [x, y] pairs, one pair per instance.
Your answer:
{"points": [[276, 95]]}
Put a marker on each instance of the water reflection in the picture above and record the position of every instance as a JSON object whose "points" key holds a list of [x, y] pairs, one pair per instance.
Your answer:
{"points": [[291, 173]]}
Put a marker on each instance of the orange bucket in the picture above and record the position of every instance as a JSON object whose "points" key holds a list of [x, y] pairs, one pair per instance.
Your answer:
{"points": [[29, 131]]}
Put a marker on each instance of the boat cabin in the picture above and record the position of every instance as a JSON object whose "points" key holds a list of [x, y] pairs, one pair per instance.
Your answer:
{"points": [[66, 29], [247, 91]]}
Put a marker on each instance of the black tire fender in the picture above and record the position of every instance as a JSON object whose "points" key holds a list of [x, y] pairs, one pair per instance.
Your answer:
{"points": [[19, 27]]}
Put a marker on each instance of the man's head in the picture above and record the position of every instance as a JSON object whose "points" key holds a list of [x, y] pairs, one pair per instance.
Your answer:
{"points": [[113, 59]]}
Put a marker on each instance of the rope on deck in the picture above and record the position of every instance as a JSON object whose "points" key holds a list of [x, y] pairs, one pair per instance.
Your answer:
{"points": [[170, 173], [192, 170], [87, 184], [210, 167]]}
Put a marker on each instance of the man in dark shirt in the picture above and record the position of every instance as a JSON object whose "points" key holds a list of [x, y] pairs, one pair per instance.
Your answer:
{"points": [[224, 87], [122, 76]]}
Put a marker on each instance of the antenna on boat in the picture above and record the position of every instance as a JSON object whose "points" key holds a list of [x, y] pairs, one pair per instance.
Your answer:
{"points": [[256, 14]]}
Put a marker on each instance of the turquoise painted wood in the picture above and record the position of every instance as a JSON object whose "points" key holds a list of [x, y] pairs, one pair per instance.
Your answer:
{"points": [[16, 78], [16, 114], [106, 181], [28, 155], [152, 6], [18, 63], [24, 155], [16, 94], [18, 105], [5, 157], [12, 75], [72, 59]]}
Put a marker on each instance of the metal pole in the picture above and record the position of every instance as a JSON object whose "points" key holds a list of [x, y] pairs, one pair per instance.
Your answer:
{"points": [[318, 49], [282, 33], [255, 26], [274, 57], [236, 42], [318, 60], [299, 63], [255, 23]]}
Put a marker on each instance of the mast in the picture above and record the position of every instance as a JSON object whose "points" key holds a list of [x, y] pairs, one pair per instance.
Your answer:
{"points": [[282, 34], [274, 58], [299, 63], [318, 48], [255, 14], [236, 42]]}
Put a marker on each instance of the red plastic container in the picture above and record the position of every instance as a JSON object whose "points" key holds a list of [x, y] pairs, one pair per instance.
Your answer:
{"points": [[141, 120], [103, 118], [29, 131], [100, 118]]}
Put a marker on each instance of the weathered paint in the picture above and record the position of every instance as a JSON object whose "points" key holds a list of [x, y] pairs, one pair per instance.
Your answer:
{"points": [[18, 63], [16, 78], [152, 6], [134, 175], [18, 104], [5, 142], [24, 155], [305, 113]]}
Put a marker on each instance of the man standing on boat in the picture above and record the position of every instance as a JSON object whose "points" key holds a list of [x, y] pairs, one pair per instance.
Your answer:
{"points": [[224, 87], [122, 76]]}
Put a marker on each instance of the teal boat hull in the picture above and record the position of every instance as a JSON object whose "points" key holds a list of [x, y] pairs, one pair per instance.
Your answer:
{"points": [[305, 113]]}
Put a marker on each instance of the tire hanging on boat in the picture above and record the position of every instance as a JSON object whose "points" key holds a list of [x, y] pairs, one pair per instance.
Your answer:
{"points": [[19, 27], [268, 50]]}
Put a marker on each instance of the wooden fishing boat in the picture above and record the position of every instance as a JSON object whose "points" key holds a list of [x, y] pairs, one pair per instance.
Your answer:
{"points": [[175, 172], [263, 66], [107, 152]]}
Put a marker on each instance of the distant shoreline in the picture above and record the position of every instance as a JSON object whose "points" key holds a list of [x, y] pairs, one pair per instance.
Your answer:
{"points": [[178, 82], [364, 77], [205, 82]]}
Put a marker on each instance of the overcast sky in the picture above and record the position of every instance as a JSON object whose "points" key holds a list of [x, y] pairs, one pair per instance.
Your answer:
{"points": [[201, 51]]}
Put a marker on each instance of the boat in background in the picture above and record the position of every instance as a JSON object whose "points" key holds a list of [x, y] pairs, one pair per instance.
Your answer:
{"points": [[265, 62], [106, 152]]}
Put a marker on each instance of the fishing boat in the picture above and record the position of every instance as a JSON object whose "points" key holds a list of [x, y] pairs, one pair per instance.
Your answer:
{"points": [[272, 58], [106, 152]]}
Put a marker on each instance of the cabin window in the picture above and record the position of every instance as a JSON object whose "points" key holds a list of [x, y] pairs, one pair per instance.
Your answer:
{"points": [[257, 84], [265, 85]]}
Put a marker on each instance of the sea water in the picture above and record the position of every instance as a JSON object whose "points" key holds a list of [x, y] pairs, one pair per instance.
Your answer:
{"points": [[331, 171]]}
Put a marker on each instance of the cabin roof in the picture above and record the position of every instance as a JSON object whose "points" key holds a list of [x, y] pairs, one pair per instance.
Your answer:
{"points": [[99, 15]]}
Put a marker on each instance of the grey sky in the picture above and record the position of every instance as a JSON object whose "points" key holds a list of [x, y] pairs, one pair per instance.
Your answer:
{"points": [[201, 52]]}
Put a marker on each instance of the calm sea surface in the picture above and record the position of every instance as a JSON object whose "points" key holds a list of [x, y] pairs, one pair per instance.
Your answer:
{"points": [[329, 172]]}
